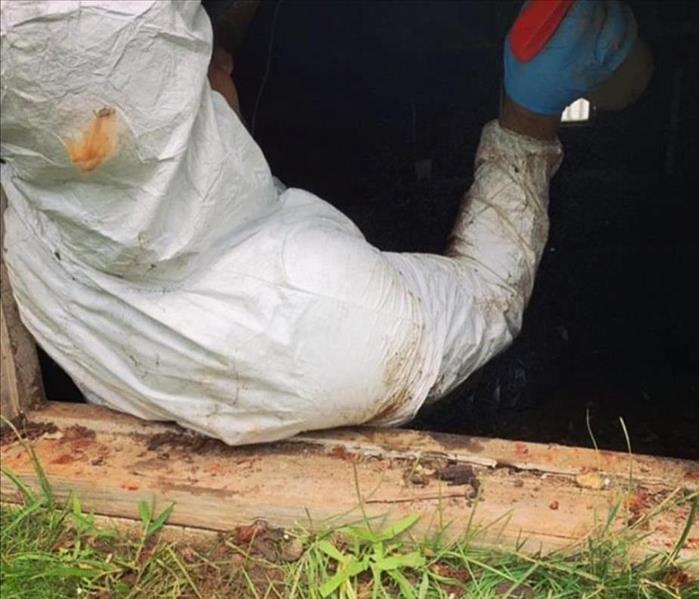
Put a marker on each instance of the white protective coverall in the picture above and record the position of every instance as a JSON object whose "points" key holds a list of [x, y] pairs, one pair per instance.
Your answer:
{"points": [[174, 280]]}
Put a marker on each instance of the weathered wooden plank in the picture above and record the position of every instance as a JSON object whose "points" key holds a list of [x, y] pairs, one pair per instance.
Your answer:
{"points": [[218, 487], [65, 414], [404, 444], [20, 383], [9, 397], [541, 457]]}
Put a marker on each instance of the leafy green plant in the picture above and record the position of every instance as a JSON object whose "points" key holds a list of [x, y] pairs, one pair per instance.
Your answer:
{"points": [[378, 553], [152, 524]]}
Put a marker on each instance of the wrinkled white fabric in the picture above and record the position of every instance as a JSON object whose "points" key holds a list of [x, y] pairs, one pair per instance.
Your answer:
{"points": [[178, 281]]}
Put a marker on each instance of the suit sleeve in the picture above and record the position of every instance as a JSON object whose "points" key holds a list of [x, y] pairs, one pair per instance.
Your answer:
{"points": [[474, 297]]}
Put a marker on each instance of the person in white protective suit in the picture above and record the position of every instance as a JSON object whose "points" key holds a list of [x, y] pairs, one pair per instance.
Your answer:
{"points": [[154, 257]]}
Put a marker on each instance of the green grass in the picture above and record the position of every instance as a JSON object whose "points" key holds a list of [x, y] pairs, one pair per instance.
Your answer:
{"points": [[51, 551]]}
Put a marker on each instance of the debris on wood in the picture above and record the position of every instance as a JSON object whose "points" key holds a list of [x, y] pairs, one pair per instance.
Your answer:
{"points": [[77, 432], [341, 453], [192, 442], [591, 480], [460, 474], [28, 430], [638, 505], [417, 475]]}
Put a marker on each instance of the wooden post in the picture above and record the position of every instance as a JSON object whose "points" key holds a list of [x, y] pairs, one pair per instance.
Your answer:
{"points": [[21, 387]]}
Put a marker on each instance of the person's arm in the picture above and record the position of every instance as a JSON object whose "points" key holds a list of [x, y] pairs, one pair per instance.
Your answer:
{"points": [[518, 119], [474, 298], [221, 77], [230, 21]]}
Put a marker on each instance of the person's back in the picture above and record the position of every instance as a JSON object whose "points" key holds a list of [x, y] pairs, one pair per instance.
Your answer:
{"points": [[154, 257], [150, 252]]}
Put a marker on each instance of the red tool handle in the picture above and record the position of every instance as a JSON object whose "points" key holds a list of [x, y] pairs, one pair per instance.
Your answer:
{"points": [[535, 25]]}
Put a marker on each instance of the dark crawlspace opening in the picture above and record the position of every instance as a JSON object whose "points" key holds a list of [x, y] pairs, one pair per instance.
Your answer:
{"points": [[377, 108]]}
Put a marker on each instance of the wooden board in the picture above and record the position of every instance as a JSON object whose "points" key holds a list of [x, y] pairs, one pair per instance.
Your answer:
{"points": [[527, 490], [20, 376], [391, 443]]}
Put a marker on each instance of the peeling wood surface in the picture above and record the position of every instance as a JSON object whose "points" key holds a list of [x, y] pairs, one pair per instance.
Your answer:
{"points": [[20, 376], [392, 443], [112, 461], [539, 457]]}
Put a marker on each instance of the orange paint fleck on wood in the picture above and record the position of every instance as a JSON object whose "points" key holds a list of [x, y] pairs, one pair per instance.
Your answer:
{"points": [[66, 458], [215, 469], [341, 453], [80, 444], [521, 449], [98, 142]]}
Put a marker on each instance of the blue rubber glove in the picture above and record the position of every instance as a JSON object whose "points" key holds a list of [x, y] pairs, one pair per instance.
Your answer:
{"points": [[594, 38]]}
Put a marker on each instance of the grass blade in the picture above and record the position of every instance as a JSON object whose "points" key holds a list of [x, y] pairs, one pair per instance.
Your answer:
{"points": [[160, 521]]}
